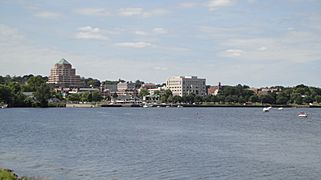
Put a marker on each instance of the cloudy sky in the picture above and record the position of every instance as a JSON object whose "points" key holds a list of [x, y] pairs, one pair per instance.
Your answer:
{"points": [[253, 42]]}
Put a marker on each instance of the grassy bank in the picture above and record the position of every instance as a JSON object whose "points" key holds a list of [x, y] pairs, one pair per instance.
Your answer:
{"points": [[8, 174]]}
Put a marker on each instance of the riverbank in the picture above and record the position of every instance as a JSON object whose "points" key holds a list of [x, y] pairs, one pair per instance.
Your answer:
{"points": [[8, 174], [209, 105]]}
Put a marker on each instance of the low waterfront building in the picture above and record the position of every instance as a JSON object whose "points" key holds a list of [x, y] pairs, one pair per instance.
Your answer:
{"points": [[126, 99], [184, 85], [111, 88], [126, 88], [148, 86], [265, 90], [64, 76], [159, 89], [151, 98], [213, 90], [83, 90]]}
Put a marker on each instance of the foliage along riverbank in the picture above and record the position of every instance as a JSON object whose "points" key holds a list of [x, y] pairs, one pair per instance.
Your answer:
{"points": [[14, 92], [8, 174]]}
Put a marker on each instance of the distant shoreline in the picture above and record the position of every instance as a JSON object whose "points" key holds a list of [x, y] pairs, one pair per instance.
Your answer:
{"points": [[91, 105]]}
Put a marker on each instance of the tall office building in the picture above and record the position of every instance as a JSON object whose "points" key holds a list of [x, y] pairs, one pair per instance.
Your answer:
{"points": [[63, 75], [184, 85]]}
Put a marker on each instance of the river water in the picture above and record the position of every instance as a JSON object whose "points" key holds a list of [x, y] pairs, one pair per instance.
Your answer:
{"points": [[161, 143]]}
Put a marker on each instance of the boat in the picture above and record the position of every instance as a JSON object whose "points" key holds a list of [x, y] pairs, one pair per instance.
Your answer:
{"points": [[267, 109], [179, 106], [4, 106], [145, 106], [303, 114], [280, 108]]}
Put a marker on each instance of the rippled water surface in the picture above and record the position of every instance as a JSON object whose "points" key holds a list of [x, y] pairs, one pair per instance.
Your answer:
{"points": [[161, 143]]}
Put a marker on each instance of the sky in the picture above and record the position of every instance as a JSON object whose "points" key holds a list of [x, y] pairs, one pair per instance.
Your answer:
{"points": [[254, 42]]}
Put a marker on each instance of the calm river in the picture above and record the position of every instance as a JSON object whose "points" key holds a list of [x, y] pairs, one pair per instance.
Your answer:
{"points": [[161, 143]]}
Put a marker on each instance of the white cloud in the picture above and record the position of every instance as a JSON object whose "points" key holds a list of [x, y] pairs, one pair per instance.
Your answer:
{"points": [[160, 30], [17, 49], [263, 48], [215, 4], [233, 52], [94, 12], [89, 32], [126, 12], [141, 33], [189, 5], [158, 68], [155, 12], [47, 15], [123, 12], [130, 11], [9, 34], [292, 47], [134, 44], [41, 13]]}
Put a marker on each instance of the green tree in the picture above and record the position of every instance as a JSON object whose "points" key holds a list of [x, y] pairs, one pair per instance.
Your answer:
{"points": [[307, 99], [42, 94], [167, 94], [296, 98], [267, 98], [86, 97], [318, 98], [74, 97], [138, 84], [96, 97], [157, 92], [198, 99], [35, 82], [169, 99], [254, 98], [5, 95], [177, 99], [282, 99], [143, 92]]}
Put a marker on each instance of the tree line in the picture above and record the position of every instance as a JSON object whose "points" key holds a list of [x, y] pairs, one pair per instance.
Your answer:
{"points": [[12, 92], [241, 94]]}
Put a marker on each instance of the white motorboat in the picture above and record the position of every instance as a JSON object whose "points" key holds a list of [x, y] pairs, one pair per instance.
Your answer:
{"points": [[267, 109], [280, 108], [303, 114], [4, 106], [145, 106]]}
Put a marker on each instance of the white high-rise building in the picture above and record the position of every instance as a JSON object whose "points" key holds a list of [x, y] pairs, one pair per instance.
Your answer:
{"points": [[184, 85]]}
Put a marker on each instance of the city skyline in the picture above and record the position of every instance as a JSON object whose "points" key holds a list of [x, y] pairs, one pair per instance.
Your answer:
{"points": [[230, 41]]}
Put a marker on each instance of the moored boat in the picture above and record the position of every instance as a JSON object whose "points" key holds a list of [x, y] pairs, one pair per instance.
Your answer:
{"points": [[4, 106], [267, 109], [303, 114]]}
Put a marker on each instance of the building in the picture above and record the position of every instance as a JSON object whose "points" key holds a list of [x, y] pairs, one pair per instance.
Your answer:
{"points": [[159, 89], [148, 86], [64, 76], [184, 85], [83, 90], [123, 86], [265, 91], [126, 88], [213, 90]]}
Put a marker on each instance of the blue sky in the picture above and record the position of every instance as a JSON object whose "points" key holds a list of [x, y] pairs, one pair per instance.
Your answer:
{"points": [[253, 42]]}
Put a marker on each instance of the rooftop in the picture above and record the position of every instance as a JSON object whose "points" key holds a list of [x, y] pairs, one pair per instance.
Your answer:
{"points": [[63, 61]]}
